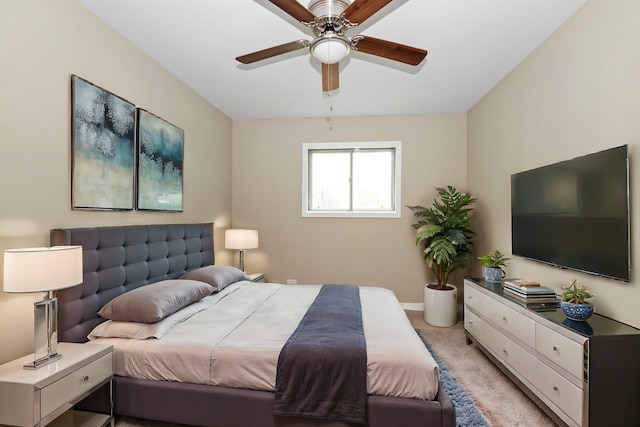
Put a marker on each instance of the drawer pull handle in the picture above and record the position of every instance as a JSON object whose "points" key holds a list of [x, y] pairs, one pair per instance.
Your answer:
{"points": [[471, 322], [504, 318], [505, 351], [85, 378], [556, 348], [555, 388]]}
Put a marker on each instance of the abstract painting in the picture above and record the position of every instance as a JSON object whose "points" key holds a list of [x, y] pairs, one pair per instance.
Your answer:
{"points": [[103, 148], [160, 164]]}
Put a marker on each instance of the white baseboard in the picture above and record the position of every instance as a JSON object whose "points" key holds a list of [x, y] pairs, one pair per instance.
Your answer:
{"points": [[413, 306]]}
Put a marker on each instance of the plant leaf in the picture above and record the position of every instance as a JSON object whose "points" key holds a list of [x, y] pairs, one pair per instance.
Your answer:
{"points": [[457, 237], [441, 251], [426, 232]]}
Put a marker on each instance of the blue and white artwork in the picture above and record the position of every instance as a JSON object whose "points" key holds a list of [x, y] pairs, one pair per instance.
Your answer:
{"points": [[103, 148], [160, 163]]}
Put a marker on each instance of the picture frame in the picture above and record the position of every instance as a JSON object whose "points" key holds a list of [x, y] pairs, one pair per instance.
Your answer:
{"points": [[160, 164], [103, 148]]}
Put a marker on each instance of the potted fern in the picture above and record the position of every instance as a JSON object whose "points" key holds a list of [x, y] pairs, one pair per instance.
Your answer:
{"points": [[573, 302], [444, 231], [492, 264]]}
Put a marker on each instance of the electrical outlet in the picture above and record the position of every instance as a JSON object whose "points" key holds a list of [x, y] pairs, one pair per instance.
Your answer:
{"points": [[292, 282]]}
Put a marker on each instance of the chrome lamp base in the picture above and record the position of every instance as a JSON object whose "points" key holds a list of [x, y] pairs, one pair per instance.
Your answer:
{"points": [[42, 361], [45, 332], [241, 266]]}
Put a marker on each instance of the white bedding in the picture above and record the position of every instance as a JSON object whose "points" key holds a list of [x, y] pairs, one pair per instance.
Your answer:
{"points": [[233, 339]]}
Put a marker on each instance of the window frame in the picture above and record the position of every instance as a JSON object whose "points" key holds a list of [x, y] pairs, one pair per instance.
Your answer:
{"points": [[330, 146]]}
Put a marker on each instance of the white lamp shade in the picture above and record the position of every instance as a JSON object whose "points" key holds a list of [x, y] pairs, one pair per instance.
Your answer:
{"points": [[42, 269], [330, 50], [241, 239]]}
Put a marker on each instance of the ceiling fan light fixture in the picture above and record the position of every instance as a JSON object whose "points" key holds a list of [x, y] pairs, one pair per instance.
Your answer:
{"points": [[328, 8], [330, 49]]}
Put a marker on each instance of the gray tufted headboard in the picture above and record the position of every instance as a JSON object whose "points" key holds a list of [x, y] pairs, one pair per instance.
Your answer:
{"points": [[119, 259]]}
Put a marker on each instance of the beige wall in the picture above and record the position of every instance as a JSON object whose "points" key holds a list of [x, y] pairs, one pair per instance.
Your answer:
{"points": [[267, 172], [43, 43], [576, 94]]}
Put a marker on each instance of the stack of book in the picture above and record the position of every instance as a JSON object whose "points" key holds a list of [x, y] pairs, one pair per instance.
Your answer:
{"points": [[530, 294]]}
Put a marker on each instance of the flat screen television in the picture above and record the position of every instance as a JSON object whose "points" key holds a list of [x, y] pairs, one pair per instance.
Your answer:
{"points": [[575, 214]]}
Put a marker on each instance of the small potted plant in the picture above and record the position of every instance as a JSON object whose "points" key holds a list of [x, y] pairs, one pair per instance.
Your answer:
{"points": [[573, 302], [493, 263]]}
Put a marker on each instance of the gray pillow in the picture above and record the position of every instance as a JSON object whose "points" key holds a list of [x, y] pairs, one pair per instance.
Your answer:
{"points": [[218, 276], [154, 302]]}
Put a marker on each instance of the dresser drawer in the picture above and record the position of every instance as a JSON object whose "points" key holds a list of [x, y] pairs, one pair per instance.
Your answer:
{"points": [[472, 323], [68, 388], [516, 324], [473, 298], [561, 350], [512, 354], [560, 391]]}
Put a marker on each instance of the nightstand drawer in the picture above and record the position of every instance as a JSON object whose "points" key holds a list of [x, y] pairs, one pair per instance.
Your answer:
{"points": [[70, 387]]}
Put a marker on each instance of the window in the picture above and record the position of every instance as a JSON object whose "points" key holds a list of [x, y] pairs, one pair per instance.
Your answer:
{"points": [[354, 179]]}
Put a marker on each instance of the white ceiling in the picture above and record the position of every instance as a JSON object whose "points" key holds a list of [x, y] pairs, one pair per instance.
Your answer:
{"points": [[472, 45]]}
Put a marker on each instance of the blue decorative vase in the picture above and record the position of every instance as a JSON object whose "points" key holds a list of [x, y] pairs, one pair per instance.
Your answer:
{"points": [[493, 274], [579, 312]]}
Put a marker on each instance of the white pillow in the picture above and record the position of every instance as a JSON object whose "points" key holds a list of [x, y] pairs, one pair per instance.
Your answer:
{"points": [[142, 331]]}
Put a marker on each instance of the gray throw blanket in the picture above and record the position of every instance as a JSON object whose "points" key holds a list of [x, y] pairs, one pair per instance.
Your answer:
{"points": [[322, 368]]}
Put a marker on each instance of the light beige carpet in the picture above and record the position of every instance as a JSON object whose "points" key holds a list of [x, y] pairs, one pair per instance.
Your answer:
{"points": [[498, 399]]}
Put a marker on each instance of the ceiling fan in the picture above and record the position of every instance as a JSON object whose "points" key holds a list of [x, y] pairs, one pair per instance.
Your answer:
{"points": [[330, 20]]}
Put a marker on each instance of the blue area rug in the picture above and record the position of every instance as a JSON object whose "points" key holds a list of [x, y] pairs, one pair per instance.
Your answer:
{"points": [[467, 414]]}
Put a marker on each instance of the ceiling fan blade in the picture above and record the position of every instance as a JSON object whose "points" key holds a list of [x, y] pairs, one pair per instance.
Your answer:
{"points": [[360, 10], [295, 9], [330, 77], [272, 51], [390, 50]]}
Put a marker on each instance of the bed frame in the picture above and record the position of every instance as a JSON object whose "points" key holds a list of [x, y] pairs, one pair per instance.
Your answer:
{"points": [[119, 259]]}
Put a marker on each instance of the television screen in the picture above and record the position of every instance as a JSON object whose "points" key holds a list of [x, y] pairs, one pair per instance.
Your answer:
{"points": [[575, 214]]}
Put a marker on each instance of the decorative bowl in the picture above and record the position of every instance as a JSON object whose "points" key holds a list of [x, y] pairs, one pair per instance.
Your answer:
{"points": [[579, 312]]}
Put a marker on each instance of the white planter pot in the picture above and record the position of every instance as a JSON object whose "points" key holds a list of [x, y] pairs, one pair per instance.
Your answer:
{"points": [[440, 306]]}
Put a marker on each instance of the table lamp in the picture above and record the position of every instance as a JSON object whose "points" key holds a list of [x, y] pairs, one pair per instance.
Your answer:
{"points": [[242, 240], [43, 270]]}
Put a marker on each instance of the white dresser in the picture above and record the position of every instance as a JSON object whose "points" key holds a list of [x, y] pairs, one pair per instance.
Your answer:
{"points": [[580, 373]]}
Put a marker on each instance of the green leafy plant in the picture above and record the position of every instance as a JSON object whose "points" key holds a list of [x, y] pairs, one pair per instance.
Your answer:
{"points": [[444, 229], [494, 259], [576, 294]]}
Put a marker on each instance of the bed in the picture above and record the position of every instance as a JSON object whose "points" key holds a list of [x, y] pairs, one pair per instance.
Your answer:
{"points": [[119, 260]]}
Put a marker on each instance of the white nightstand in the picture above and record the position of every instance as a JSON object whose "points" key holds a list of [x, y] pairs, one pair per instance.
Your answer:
{"points": [[46, 396], [256, 277]]}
